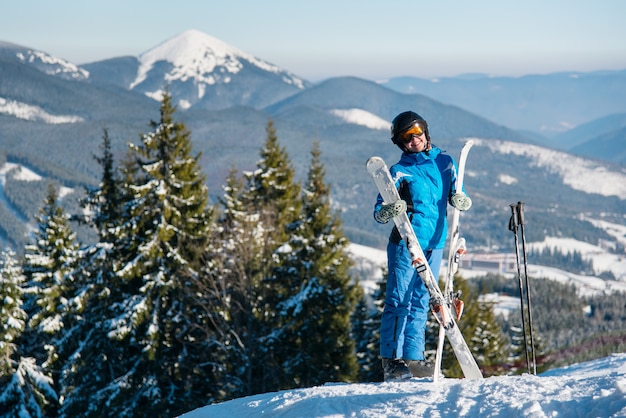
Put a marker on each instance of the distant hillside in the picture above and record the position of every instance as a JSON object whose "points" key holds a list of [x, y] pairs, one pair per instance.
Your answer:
{"points": [[548, 104], [602, 139]]}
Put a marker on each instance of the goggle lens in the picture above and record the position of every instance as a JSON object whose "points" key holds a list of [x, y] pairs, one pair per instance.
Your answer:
{"points": [[407, 135]]}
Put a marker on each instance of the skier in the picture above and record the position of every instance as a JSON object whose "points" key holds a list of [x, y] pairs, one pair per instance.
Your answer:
{"points": [[426, 180]]}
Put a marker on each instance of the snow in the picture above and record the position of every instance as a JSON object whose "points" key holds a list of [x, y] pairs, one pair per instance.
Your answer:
{"points": [[52, 65], [504, 305], [602, 259], [592, 389], [34, 113], [368, 262], [363, 118], [615, 230], [506, 179], [202, 58], [586, 285], [580, 174], [21, 173]]}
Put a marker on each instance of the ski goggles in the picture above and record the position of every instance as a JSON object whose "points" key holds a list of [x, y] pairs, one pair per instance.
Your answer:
{"points": [[416, 130]]}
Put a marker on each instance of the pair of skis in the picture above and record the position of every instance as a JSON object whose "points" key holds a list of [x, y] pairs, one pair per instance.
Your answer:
{"points": [[442, 304]]}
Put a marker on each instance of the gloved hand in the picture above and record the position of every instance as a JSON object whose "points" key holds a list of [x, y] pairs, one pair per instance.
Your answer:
{"points": [[461, 201], [389, 211]]}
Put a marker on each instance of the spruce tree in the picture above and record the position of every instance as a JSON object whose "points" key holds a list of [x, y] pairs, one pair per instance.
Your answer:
{"points": [[517, 362], [51, 300], [25, 389], [272, 189], [488, 343], [366, 331], [104, 202], [273, 197], [237, 267], [12, 316], [164, 229], [318, 295], [92, 357]]}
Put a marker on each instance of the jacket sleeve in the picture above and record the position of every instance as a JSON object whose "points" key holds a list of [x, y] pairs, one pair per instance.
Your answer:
{"points": [[379, 203]]}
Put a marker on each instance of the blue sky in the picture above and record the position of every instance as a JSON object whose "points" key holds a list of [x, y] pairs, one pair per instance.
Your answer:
{"points": [[324, 38]]}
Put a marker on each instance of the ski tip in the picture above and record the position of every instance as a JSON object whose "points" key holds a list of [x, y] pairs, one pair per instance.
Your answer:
{"points": [[469, 143], [374, 163]]}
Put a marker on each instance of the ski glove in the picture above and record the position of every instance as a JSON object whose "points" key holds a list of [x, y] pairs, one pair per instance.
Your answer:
{"points": [[389, 211], [461, 201]]}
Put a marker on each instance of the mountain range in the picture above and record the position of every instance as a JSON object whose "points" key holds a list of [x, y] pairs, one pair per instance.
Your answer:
{"points": [[582, 113], [53, 113]]}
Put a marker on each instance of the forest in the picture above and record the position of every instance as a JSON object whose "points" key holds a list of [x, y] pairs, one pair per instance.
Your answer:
{"points": [[179, 303]]}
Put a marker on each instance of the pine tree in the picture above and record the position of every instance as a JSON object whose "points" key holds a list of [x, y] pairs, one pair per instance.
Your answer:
{"points": [[104, 203], [236, 270], [164, 229], [51, 296], [488, 343], [25, 389], [272, 197], [366, 330], [517, 359], [272, 190], [12, 316], [92, 357], [318, 295]]}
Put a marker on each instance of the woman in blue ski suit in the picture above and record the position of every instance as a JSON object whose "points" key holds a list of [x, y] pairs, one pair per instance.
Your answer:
{"points": [[426, 180]]}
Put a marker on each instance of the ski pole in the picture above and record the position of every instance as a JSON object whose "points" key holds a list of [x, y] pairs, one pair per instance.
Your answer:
{"points": [[513, 225], [520, 210]]}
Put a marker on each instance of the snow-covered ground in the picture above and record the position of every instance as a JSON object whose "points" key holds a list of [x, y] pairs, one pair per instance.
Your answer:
{"points": [[19, 173], [576, 172], [363, 118], [29, 112], [593, 389]]}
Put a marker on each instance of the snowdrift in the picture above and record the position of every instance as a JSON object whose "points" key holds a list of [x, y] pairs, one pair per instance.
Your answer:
{"points": [[592, 389]]}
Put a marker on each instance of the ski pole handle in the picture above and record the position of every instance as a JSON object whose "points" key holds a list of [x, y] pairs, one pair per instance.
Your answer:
{"points": [[520, 212], [514, 221]]}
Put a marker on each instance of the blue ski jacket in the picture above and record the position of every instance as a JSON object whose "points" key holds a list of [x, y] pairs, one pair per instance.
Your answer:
{"points": [[426, 181]]}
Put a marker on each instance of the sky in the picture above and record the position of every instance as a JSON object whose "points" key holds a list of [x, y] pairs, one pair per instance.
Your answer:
{"points": [[591, 389], [375, 39]]}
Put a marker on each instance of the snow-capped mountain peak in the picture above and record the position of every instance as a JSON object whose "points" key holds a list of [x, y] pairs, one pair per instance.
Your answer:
{"points": [[44, 62], [202, 59], [52, 65]]}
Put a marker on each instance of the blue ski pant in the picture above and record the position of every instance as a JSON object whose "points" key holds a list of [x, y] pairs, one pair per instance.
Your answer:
{"points": [[403, 323]]}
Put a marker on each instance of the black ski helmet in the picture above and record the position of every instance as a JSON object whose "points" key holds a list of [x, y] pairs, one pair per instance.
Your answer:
{"points": [[403, 122]]}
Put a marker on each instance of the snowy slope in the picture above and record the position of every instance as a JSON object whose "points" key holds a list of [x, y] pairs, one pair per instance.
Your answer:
{"points": [[578, 173], [43, 61], [34, 113], [363, 118], [592, 389]]}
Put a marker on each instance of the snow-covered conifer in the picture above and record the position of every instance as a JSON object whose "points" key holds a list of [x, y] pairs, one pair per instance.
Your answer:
{"points": [[157, 248], [318, 295], [51, 289], [25, 389]]}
